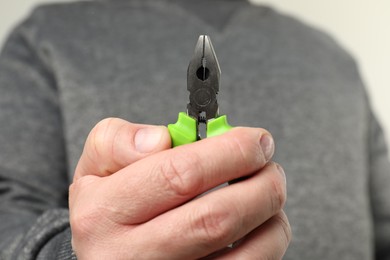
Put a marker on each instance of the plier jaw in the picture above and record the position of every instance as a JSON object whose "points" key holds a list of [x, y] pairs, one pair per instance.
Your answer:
{"points": [[203, 78]]}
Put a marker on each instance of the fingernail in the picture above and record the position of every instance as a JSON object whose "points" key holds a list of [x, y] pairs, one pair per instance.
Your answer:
{"points": [[146, 139], [267, 145]]}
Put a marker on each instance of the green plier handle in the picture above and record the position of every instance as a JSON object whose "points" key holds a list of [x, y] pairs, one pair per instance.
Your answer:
{"points": [[184, 131]]}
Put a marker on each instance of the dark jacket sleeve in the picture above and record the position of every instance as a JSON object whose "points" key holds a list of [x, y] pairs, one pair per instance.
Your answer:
{"points": [[380, 188], [33, 183]]}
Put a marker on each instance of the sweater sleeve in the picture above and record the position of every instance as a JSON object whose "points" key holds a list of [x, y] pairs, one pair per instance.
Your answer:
{"points": [[33, 183], [380, 188]]}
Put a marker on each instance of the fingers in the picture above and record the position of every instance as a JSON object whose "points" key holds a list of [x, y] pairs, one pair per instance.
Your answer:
{"points": [[269, 241], [150, 199], [115, 143], [168, 179], [216, 220]]}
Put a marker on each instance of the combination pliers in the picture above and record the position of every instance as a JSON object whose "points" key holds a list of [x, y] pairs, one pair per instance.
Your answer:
{"points": [[203, 78]]}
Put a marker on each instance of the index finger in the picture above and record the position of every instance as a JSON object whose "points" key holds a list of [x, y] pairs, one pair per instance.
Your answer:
{"points": [[112, 145], [167, 179]]}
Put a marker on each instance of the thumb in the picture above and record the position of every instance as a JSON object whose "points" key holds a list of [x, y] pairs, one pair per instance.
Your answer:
{"points": [[115, 143]]}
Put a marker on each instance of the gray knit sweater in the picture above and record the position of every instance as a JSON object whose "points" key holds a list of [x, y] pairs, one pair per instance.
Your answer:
{"points": [[70, 65]]}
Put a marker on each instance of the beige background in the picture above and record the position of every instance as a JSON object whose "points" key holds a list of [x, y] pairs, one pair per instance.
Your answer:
{"points": [[362, 26]]}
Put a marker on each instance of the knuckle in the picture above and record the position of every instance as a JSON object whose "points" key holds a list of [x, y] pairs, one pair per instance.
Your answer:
{"points": [[212, 225], [81, 186], [181, 173], [72, 189], [98, 140], [82, 223], [283, 222], [77, 186], [82, 183], [83, 218], [278, 195]]}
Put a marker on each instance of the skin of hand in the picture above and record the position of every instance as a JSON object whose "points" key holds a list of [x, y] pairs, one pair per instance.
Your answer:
{"points": [[133, 197]]}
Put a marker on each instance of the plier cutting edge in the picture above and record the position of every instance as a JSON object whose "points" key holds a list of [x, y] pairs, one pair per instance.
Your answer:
{"points": [[203, 77]]}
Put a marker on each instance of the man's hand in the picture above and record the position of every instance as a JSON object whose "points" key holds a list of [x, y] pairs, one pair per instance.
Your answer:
{"points": [[133, 197]]}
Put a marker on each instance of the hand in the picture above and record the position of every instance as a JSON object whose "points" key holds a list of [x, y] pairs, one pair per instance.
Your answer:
{"points": [[133, 197]]}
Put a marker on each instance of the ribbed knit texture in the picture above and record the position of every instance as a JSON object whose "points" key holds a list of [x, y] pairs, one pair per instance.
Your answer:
{"points": [[70, 65]]}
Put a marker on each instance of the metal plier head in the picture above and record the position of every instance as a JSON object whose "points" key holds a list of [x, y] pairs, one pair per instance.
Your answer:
{"points": [[203, 77], [203, 84]]}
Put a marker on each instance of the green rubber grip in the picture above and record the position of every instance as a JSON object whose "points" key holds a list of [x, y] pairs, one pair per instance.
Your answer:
{"points": [[218, 126], [183, 131]]}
